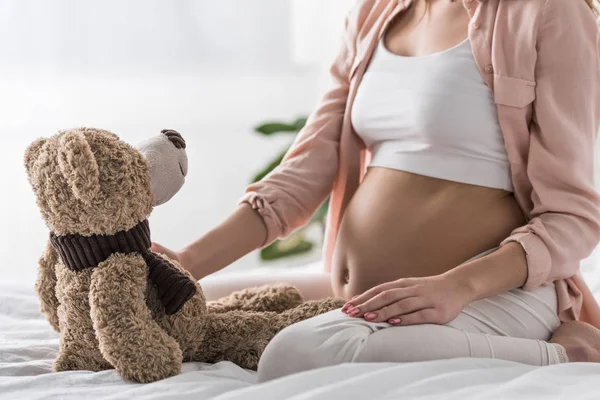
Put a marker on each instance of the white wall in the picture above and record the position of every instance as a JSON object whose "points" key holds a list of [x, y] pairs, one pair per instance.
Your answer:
{"points": [[73, 36], [209, 69]]}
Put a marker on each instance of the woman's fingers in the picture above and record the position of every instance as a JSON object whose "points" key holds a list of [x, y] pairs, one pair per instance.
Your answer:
{"points": [[160, 249], [369, 294], [383, 299], [398, 309], [424, 316]]}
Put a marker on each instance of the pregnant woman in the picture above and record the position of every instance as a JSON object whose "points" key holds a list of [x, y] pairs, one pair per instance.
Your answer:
{"points": [[457, 145]]}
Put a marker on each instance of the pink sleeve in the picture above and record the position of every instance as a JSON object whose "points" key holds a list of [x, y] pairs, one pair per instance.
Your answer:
{"points": [[565, 224], [289, 196]]}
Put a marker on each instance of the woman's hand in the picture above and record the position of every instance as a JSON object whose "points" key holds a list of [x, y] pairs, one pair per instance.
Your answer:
{"points": [[412, 301], [173, 255]]}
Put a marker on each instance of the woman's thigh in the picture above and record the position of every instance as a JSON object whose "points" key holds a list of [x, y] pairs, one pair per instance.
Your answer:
{"points": [[313, 285], [509, 326], [517, 313], [335, 338]]}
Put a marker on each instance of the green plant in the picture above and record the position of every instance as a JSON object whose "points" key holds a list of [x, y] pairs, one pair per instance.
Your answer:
{"points": [[297, 242]]}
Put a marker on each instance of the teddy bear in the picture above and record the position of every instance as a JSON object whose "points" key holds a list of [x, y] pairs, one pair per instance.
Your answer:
{"points": [[115, 303]]}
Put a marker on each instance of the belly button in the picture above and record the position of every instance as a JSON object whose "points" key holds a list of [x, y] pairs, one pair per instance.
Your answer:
{"points": [[346, 276]]}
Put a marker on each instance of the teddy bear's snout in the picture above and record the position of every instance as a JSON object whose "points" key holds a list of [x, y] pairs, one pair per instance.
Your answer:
{"points": [[166, 154]]}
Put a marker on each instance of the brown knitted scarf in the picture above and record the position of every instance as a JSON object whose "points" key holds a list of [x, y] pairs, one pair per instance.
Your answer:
{"points": [[79, 252]]}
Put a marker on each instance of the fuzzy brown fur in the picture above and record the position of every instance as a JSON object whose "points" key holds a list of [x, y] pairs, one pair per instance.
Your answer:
{"points": [[45, 286], [89, 182]]}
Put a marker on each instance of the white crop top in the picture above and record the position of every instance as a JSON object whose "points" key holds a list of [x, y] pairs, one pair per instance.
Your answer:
{"points": [[432, 115]]}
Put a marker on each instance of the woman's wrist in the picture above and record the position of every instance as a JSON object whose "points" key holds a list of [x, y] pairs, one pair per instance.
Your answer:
{"points": [[242, 232], [191, 263], [466, 284], [496, 273]]}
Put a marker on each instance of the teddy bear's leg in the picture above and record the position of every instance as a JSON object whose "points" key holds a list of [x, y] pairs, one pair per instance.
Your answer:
{"points": [[277, 298], [129, 336], [241, 336], [78, 348], [236, 336], [45, 286]]}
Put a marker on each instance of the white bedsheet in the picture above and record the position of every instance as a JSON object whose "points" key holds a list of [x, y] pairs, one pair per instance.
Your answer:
{"points": [[28, 346]]}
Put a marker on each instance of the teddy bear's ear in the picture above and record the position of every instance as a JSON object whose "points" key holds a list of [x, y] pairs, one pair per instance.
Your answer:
{"points": [[32, 153], [78, 165]]}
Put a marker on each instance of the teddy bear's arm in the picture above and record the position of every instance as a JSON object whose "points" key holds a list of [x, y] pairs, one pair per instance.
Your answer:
{"points": [[277, 298], [78, 346], [129, 337], [45, 286]]}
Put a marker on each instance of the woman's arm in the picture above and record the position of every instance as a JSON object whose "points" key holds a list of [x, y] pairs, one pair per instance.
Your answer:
{"points": [[496, 273], [565, 223], [242, 232], [565, 227]]}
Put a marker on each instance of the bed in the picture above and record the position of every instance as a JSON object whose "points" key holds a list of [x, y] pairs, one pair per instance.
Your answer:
{"points": [[28, 346]]}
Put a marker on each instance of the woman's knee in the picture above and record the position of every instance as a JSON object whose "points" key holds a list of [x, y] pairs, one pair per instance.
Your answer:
{"points": [[287, 353], [328, 339]]}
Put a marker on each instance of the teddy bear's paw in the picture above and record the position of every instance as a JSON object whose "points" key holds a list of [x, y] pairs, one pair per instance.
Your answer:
{"points": [[333, 303], [151, 370], [74, 362], [250, 357], [283, 297], [276, 298], [66, 363]]}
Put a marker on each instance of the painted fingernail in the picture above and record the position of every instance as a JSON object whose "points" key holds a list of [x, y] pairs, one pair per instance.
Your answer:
{"points": [[354, 311], [394, 321], [370, 316]]}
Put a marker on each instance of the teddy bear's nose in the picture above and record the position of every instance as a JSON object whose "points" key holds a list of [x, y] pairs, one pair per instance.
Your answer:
{"points": [[175, 138]]}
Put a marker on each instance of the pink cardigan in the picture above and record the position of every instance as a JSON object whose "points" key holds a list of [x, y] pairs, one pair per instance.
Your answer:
{"points": [[540, 59]]}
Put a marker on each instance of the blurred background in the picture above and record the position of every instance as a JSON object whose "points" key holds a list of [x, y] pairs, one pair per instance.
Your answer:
{"points": [[213, 70]]}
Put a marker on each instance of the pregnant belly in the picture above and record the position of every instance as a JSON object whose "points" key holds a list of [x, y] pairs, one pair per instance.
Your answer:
{"points": [[400, 225]]}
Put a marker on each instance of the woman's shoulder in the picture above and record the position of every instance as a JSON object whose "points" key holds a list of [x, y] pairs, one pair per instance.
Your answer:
{"points": [[559, 11], [529, 21], [568, 12]]}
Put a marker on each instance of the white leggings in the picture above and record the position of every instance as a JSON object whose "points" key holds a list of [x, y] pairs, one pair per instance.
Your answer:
{"points": [[513, 326]]}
